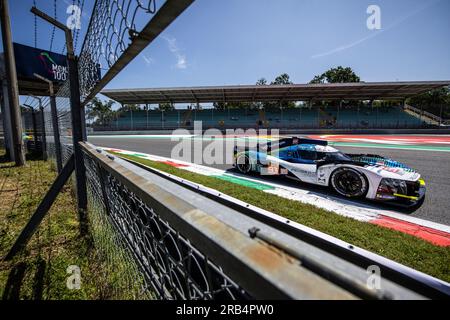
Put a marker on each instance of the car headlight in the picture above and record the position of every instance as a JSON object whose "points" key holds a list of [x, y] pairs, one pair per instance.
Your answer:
{"points": [[388, 185]]}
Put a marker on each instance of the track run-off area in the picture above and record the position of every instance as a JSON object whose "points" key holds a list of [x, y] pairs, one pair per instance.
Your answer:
{"points": [[428, 154]]}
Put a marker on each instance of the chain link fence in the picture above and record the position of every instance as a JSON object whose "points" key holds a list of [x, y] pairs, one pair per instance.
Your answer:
{"points": [[113, 25], [143, 257], [132, 234]]}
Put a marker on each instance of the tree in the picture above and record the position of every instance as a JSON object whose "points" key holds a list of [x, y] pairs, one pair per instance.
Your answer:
{"points": [[220, 106], [261, 82], [433, 97], [259, 105], [166, 106], [436, 101], [100, 112], [337, 75], [129, 107], [282, 79]]}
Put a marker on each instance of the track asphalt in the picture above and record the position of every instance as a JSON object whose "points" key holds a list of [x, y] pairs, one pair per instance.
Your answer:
{"points": [[429, 155]]}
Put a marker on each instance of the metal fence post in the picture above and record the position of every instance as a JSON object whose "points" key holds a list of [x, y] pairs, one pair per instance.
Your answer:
{"points": [[77, 136], [55, 123], [56, 136], [34, 124], [43, 135], [5, 120], [77, 114], [42, 124], [17, 149]]}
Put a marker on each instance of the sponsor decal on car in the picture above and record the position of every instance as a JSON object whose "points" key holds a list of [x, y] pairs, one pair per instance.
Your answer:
{"points": [[321, 177]]}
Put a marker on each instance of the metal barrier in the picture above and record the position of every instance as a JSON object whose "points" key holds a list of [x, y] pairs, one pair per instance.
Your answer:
{"points": [[180, 244], [128, 231], [172, 267]]}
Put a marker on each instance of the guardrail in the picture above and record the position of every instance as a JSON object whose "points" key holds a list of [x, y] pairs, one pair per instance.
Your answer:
{"points": [[416, 281], [186, 245]]}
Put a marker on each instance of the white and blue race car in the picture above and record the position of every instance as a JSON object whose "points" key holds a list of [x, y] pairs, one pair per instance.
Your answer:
{"points": [[350, 175]]}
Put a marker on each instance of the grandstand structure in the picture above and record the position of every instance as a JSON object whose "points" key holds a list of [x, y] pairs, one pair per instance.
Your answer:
{"points": [[328, 106]]}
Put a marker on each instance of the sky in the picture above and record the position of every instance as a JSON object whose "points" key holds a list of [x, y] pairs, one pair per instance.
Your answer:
{"points": [[216, 42]]}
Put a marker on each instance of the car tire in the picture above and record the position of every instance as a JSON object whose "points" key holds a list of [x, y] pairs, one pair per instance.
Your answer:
{"points": [[243, 164], [349, 183]]}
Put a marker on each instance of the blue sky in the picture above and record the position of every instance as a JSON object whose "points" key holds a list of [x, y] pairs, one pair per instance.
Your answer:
{"points": [[218, 42]]}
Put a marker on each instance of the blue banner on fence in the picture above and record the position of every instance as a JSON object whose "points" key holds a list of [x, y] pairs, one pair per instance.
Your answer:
{"points": [[50, 65]]}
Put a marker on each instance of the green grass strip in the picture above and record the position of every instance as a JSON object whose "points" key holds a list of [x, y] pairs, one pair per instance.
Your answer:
{"points": [[245, 182], [395, 245]]}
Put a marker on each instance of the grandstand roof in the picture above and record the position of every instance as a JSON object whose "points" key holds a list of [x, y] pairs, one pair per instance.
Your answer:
{"points": [[274, 93]]}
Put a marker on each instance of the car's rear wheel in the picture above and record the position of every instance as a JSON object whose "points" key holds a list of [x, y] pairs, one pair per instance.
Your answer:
{"points": [[243, 164], [349, 183]]}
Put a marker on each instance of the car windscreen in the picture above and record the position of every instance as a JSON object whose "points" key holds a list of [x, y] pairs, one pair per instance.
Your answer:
{"points": [[307, 154], [333, 156]]}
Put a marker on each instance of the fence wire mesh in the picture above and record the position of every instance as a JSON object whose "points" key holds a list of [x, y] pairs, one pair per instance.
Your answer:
{"points": [[33, 130], [156, 259], [120, 273], [143, 257], [51, 152], [64, 120], [113, 25]]}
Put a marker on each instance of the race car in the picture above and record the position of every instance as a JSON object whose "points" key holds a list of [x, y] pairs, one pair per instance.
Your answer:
{"points": [[350, 175]]}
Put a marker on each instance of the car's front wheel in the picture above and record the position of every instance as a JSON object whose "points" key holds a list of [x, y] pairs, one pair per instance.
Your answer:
{"points": [[243, 164], [349, 182]]}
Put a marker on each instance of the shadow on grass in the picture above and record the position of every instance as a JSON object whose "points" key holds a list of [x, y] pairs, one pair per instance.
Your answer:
{"points": [[16, 278], [30, 156], [38, 283], [4, 158], [34, 156], [14, 282]]}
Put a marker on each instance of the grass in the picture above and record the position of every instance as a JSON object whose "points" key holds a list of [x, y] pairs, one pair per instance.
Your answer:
{"points": [[40, 271], [395, 245]]}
